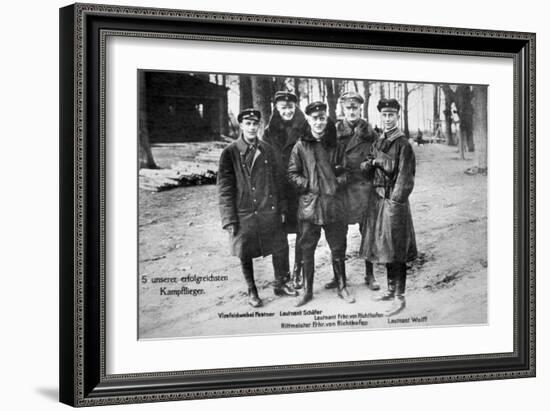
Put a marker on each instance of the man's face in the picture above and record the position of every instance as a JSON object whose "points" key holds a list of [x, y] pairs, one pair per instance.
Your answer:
{"points": [[318, 121], [250, 128], [352, 111], [286, 109], [389, 118]]}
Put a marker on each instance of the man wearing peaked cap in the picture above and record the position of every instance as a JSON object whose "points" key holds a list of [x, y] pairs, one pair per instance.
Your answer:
{"points": [[315, 107], [357, 136], [388, 104], [252, 204], [286, 125], [352, 96], [285, 96], [315, 169], [249, 114], [391, 240]]}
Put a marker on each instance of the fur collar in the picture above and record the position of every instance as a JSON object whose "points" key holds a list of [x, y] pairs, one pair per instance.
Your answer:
{"points": [[328, 139]]}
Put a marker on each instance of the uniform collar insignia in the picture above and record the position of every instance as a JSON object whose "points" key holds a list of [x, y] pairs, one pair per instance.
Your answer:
{"points": [[242, 145]]}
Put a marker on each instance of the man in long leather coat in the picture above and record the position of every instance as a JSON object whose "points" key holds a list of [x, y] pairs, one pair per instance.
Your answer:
{"points": [[286, 126], [252, 204], [316, 171], [392, 240], [357, 136]]}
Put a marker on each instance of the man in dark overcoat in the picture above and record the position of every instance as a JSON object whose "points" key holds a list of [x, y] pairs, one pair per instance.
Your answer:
{"points": [[357, 136], [316, 171], [285, 127], [392, 241], [252, 204]]}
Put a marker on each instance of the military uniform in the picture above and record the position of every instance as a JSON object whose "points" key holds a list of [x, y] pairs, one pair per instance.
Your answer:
{"points": [[357, 137], [392, 239], [282, 135], [315, 169], [251, 201]]}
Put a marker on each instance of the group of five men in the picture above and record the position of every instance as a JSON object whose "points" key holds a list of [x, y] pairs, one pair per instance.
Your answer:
{"points": [[309, 174]]}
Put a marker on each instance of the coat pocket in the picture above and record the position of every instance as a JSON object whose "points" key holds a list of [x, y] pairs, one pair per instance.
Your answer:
{"points": [[307, 206], [386, 163]]}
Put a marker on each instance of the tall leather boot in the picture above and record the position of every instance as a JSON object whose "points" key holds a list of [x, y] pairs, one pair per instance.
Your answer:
{"points": [[339, 267], [282, 285], [248, 272], [390, 293], [308, 270], [399, 302], [370, 279], [297, 278], [332, 284]]}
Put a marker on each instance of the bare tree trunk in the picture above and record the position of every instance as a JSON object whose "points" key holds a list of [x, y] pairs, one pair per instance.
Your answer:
{"points": [[449, 98], [461, 136], [332, 99], [465, 112], [261, 95], [278, 84], [245, 92], [381, 90], [480, 125], [297, 88], [366, 85], [338, 87], [435, 107], [406, 110], [423, 108], [146, 159]]}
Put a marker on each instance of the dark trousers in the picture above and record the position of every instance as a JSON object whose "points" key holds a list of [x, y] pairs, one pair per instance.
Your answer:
{"points": [[280, 268], [369, 266], [335, 233], [397, 276]]}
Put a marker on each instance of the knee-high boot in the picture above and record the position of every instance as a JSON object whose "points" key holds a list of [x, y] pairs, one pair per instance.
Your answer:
{"points": [[282, 286], [339, 267], [370, 279], [248, 272], [309, 271], [390, 292], [399, 302], [297, 278]]}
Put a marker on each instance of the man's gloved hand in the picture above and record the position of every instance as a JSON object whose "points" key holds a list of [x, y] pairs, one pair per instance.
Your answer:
{"points": [[367, 165], [378, 162], [339, 170], [232, 229]]}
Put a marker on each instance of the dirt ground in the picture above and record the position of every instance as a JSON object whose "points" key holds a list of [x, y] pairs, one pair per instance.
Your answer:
{"points": [[180, 238]]}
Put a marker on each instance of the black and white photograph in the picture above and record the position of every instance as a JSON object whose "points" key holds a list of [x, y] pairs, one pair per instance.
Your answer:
{"points": [[291, 204], [389, 148]]}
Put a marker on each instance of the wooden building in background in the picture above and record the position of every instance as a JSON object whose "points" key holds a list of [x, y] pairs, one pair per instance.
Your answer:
{"points": [[181, 107]]}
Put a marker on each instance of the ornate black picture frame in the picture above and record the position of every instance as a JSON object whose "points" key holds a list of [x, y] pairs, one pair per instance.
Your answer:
{"points": [[83, 30]]}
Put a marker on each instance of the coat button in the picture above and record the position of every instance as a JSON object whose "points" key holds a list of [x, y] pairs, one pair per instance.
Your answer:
{"points": [[255, 212], [266, 161], [273, 208], [253, 188]]}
